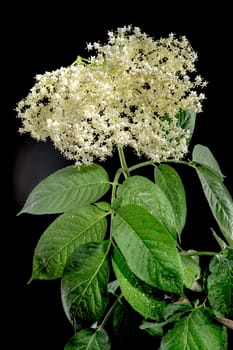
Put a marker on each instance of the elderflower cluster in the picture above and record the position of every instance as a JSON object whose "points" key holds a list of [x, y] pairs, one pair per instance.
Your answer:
{"points": [[126, 95]]}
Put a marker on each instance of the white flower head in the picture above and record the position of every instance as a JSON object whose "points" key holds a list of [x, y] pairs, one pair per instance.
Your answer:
{"points": [[127, 94]]}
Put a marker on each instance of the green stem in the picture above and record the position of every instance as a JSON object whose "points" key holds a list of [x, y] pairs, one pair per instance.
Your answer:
{"points": [[146, 163], [79, 60], [188, 163], [123, 162], [140, 165], [115, 183], [150, 162], [192, 253], [225, 321], [113, 197], [118, 300]]}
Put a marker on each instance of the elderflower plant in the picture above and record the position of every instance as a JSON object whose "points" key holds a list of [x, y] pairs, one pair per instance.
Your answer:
{"points": [[122, 237]]}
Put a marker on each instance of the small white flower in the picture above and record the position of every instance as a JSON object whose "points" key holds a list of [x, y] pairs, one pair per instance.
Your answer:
{"points": [[124, 96]]}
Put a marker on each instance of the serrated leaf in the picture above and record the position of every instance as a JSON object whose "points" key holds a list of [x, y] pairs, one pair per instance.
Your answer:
{"points": [[67, 190], [89, 339], [63, 236], [220, 285], [141, 191], [170, 183], [219, 200], [136, 293], [194, 332], [149, 250], [186, 120], [202, 155], [192, 270], [84, 285]]}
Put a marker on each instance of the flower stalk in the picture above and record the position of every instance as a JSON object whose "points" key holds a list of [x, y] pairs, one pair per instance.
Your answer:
{"points": [[123, 163]]}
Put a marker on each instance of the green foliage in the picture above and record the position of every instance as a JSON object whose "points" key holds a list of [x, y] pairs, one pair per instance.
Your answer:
{"points": [[140, 191], [192, 270], [148, 248], [63, 236], [195, 332], [84, 284], [67, 190], [219, 200], [217, 195], [121, 263], [138, 294], [202, 155], [89, 339], [171, 184], [220, 284], [175, 310]]}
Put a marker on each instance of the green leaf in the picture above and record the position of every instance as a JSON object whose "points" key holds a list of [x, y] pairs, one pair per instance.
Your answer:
{"points": [[89, 339], [194, 332], [175, 310], [219, 200], [154, 329], [138, 295], [186, 120], [149, 250], [84, 284], [219, 240], [67, 190], [105, 206], [220, 285], [170, 183], [192, 270], [202, 155], [141, 191], [63, 236]]}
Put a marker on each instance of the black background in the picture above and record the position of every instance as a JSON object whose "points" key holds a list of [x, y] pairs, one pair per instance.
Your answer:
{"points": [[37, 38]]}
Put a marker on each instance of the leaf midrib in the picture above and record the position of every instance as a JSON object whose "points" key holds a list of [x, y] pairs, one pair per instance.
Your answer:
{"points": [[47, 193], [70, 242], [212, 193], [82, 295], [139, 239]]}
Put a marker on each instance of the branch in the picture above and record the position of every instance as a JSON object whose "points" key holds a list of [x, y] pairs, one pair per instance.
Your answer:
{"points": [[225, 321]]}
